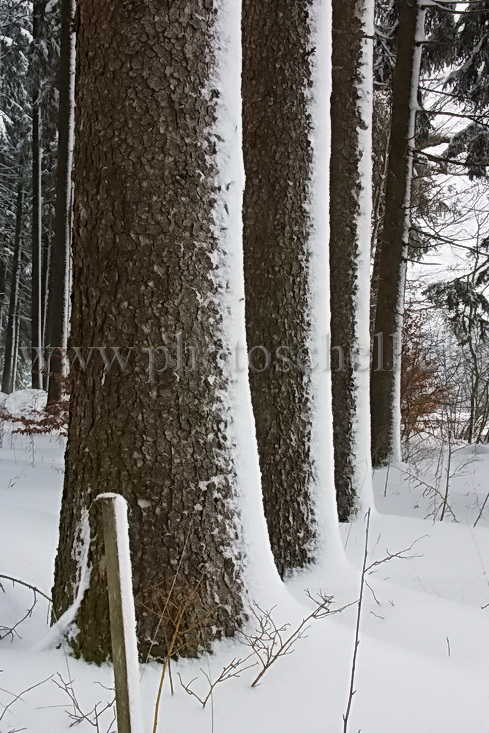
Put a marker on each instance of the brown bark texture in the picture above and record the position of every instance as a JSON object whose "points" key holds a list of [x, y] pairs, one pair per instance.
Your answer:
{"points": [[394, 235], [277, 48], [144, 242], [345, 190]]}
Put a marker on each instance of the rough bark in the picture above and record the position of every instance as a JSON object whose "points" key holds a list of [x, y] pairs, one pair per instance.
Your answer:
{"points": [[9, 367], [349, 246], [385, 377], [58, 274], [277, 51], [144, 246]]}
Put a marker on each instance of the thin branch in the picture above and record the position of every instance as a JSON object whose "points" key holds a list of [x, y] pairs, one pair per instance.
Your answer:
{"points": [[352, 691]]}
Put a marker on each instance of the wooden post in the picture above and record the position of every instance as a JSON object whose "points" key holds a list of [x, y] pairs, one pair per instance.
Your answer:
{"points": [[122, 616]]}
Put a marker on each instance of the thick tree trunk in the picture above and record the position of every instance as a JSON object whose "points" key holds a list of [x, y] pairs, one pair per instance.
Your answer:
{"points": [[278, 52], [385, 377], [350, 225], [36, 263], [156, 234], [9, 367], [58, 276]]}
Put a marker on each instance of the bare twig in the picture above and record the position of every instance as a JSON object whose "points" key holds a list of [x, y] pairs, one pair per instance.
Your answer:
{"points": [[400, 555], [93, 716], [19, 696], [271, 642], [352, 691], [233, 669], [26, 585], [482, 509]]}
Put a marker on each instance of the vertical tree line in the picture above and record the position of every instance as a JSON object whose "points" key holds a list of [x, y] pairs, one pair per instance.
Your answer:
{"points": [[200, 218], [28, 150]]}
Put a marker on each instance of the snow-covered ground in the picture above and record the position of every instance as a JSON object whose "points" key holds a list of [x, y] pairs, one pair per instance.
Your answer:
{"points": [[423, 658]]}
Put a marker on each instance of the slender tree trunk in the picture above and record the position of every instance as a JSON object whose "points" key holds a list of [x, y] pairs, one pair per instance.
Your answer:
{"points": [[10, 355], [36, 291], [58, 276], [3, 289], [279, 249], [385, 377], [46, 257], [350, 240], [15, 352], [156, 258]]}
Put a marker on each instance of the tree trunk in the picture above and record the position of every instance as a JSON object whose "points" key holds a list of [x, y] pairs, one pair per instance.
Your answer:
{"points": [[58, 276], [279, 237], [385, 377], [3, 289], [156, 257], [10, 354], [46, 257], [350, 225], [36, 263]]}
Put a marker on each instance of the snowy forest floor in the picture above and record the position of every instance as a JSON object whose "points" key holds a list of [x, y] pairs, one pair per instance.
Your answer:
{"points": [[423, 658]]}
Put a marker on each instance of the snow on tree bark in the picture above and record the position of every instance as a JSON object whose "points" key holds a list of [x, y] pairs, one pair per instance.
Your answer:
{"points": [[385, 376], [156, 252], [281, 250], [350, 217], [59, 271]]}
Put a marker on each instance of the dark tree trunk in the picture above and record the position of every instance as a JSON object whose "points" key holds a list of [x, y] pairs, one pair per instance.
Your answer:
{"points": [[149, 228], [350, 213], [58, 276], [46, 256], [278, 158], [3, 289], [9, 367], [36, 290], [385, 377]]}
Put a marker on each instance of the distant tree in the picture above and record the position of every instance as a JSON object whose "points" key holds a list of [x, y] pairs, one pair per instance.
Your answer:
{"points": [[44, 57], [464, 304], [15, 121], [469, 85], [385, 377], [58, 291], [38, 9], [11, 337], [423, 388]]}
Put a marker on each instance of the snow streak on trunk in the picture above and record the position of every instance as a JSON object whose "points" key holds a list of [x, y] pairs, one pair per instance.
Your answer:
{"points": [[157, 269], [285, 140], [58, 294], [385, 377], [350, 219]]}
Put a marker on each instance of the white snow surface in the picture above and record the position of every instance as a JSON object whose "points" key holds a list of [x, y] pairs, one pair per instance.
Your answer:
{"points": [[25, 402], [423, 658]]}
